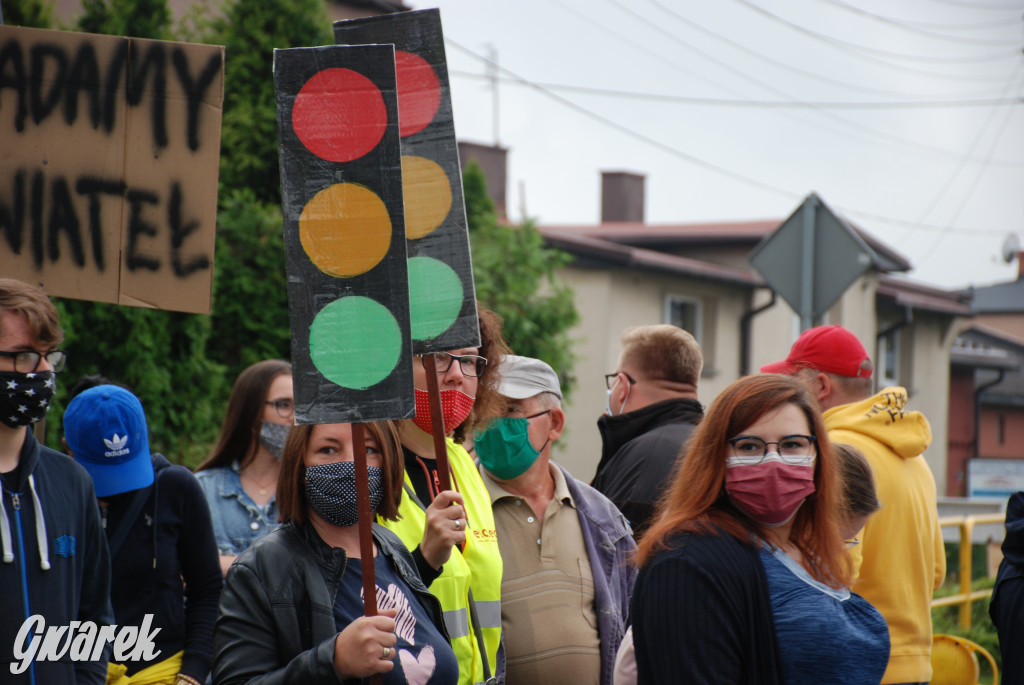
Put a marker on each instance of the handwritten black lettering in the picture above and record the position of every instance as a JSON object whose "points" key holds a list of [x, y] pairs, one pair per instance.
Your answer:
{"points": [[45, 89], [93, 188], [63, 219], [53, 78], [137, 226], [194, 90], [139, 67], [12, 75], [84, 76], [51, 211], [12, 220], [179, 232]]}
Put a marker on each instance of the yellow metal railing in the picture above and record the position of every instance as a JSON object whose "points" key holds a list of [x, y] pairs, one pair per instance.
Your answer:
{"points": [[966, 596]]}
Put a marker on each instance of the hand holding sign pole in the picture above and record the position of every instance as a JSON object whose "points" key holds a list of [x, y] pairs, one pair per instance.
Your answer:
{"points": [[442, 295], [345, 247]]}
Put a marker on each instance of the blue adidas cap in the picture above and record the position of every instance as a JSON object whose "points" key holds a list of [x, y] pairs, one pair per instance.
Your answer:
{"points": [[105, 427]]}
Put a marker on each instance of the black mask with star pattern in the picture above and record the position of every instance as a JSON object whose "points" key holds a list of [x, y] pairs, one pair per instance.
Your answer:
{"points": [[25, 397]]}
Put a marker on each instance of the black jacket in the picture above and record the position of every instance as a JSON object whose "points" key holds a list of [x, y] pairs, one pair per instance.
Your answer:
{"points": [[76, 586], [639, 455], [276, 620], [170, 541], [702, 613], [1007, 606]]}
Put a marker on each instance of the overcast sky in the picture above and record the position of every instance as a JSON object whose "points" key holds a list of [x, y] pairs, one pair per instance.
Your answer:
{"points": [[738, 109]]}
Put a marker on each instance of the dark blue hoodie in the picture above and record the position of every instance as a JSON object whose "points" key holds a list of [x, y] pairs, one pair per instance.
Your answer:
{"points": [[65, 579]]}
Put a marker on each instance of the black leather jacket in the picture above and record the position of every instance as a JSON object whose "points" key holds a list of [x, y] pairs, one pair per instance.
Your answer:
{"points": [[276, 618]]}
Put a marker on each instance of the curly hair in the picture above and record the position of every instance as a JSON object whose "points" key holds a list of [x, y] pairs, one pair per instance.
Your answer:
{"points": [[488, 401]]}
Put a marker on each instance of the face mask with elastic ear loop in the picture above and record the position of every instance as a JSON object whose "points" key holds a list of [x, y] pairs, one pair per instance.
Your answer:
{"points": [[331, 491], [504, 448]]}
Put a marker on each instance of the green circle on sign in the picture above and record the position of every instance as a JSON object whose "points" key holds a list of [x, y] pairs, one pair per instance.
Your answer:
{"points": [[435, 297], [355, 342]]}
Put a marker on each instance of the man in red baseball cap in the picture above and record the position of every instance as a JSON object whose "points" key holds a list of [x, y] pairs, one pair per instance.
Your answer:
{"points": [[900, 560]]}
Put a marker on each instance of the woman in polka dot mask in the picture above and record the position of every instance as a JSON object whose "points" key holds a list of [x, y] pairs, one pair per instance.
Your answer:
{"points": [[292, 603]]}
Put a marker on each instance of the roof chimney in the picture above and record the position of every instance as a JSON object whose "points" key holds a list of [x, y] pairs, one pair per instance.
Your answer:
{"points": [[493, 161], [622, 196]]}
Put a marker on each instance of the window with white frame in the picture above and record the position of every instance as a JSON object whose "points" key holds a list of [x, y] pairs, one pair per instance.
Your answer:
{"points": [[684, 312]]}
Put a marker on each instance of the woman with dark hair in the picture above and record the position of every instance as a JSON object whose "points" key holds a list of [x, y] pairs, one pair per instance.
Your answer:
{"points": [[744, 574], [292, 610], [860, 500], [239, 478], [451, 532]]}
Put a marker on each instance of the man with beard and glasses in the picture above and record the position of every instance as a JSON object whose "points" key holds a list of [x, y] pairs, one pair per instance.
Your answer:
{"points": [[55, 563]]}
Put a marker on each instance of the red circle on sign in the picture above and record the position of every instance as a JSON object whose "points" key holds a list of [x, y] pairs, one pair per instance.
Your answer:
{"points": [[419, 92], [339, 115]]}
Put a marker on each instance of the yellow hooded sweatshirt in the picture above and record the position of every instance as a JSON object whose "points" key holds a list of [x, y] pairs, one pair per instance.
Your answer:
{"points": [[901, 560]]}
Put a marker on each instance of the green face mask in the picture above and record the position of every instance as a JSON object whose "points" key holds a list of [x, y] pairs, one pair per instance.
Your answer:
{"points": [[504, 448]]}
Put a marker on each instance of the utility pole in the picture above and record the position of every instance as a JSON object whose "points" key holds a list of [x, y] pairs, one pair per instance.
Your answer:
{"points": [[492, 72]]}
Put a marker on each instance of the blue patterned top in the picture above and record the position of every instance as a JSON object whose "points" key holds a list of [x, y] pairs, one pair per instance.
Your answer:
{"points": [[823, 635]]}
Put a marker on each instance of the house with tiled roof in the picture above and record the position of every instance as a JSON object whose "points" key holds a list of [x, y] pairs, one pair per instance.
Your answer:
{"points": [[626, 272]]}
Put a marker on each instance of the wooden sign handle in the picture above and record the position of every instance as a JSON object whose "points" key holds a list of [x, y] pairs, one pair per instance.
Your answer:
{"points": [[365, 525], [437, 422]]}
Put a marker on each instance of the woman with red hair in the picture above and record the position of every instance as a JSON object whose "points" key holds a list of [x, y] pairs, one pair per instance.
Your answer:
{"points": [[744, 574]]}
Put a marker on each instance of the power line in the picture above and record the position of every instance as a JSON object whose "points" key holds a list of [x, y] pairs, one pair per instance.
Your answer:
{"points": [[921, 29], [847, 124], [975, 5], [992, 57], [970, 189], [855, 49], [703, 163], [781, 104]]}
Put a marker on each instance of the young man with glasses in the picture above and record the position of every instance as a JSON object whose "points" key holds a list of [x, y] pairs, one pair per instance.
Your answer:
{"points": [[55, 563], [652, 409], [900, 560]]}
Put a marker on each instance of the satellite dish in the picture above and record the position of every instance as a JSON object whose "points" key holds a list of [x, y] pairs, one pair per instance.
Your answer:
{"points": [[1011, 247]]}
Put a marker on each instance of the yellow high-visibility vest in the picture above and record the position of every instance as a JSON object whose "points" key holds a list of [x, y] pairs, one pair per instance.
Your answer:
{"points": [[478, 567]]}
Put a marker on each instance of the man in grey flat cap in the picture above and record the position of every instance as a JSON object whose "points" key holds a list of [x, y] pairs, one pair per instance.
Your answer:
{"points": [[563, 544]]}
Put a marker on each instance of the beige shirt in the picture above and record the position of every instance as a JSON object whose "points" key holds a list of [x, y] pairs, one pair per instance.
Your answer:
{"points": [[547, 590]]}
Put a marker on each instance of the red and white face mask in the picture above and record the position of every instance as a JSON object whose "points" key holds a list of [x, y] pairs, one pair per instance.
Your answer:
{"points": [[770, 492], [455, 408]]}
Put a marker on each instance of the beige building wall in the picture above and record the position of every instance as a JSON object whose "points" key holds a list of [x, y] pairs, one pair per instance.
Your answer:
{"points": [[609, 301], [926, 353]]}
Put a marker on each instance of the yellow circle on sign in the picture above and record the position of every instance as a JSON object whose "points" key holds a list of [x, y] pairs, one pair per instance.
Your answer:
{"points": [[427, 193], [345, 230]]}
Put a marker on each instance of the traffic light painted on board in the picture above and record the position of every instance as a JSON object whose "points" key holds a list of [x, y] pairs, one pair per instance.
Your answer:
{"points": [[344, 230], [442, 296]]}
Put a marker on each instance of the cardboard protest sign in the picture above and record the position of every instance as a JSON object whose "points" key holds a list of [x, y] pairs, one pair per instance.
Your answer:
{"points": [[441, 290], [344, 233], [109, 153]]}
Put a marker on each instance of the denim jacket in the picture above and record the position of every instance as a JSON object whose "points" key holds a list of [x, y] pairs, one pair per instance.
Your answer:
{"points": [[237, 520], [610, 546]]}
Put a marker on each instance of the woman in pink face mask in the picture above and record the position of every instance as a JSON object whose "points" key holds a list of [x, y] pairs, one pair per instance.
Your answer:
{"points": [[744, 576], [451, 532]]}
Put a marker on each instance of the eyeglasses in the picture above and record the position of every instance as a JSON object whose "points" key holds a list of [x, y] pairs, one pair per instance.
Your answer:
{"points": [[792, 449], [284, 408], [471, 365], [28, 361], [609, 379]]}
